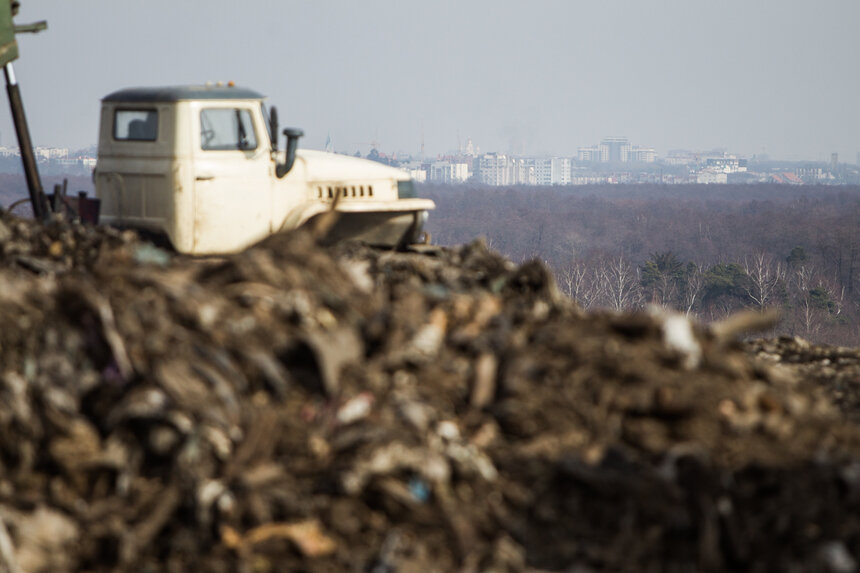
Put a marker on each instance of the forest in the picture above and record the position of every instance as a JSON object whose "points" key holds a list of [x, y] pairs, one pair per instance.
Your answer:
{"points": [[703, 250]]}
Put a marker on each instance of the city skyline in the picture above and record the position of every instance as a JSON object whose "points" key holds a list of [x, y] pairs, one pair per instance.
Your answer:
{"points": [[8, 143], [615, 150], [755, 78], [615, 160]]}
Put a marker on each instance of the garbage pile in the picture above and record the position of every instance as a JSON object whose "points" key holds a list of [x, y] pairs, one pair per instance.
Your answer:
{"points": [[831, 371], [295, 408]]}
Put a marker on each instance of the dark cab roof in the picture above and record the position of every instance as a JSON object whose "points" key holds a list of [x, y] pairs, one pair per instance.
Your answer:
{"points": [[179, 93]]}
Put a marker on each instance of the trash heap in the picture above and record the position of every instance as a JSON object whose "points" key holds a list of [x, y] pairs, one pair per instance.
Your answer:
{"points": [[831, 371], [295, 408]]}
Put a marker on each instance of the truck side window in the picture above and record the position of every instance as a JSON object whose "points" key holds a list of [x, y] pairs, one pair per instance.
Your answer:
{"points": [[135, 125], [227, 129]]}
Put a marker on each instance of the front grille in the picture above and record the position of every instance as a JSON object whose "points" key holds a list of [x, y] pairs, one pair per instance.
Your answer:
{"points": [[328, 193]]}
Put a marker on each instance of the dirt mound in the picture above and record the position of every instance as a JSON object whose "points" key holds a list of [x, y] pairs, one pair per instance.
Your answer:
{"points": [[294, 408]]}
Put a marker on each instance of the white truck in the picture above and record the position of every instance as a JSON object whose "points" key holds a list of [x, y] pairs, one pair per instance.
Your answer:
{"points": [[200, 165]]}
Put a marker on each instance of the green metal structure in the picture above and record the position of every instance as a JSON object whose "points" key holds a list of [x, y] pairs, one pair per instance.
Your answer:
{"points": [[8, 53], [8, 45]]}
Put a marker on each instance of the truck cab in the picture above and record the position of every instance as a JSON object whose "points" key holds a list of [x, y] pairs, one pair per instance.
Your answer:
{"points": [[200, 165]]}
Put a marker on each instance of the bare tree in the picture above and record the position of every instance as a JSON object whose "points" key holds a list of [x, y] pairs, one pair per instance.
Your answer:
{"points": [[620, 283], [579, 281], [766, 276], [802, 281], [693, 287]]}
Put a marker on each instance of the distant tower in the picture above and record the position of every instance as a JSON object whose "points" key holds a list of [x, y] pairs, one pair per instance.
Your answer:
{"points": [[834, 161], [858, 158]]}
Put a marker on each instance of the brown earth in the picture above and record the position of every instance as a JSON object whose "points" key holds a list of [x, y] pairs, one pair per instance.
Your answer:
{"points": [[295, 408]]}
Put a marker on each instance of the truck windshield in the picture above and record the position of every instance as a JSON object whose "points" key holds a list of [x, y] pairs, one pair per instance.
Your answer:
{"points": [[223, 129], [266, 120]]}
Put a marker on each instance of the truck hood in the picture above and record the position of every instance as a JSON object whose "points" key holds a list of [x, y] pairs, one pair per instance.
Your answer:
{"points": [[323, 166]]}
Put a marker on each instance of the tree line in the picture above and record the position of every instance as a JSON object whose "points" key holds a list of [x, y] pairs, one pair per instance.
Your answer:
{"points": [[706, 251]]}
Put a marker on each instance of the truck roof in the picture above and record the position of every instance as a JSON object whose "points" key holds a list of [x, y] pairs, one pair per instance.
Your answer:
{"points": [[180, 93]]}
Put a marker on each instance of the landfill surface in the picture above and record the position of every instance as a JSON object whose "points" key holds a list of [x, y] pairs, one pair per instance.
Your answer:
{"points": [[345, 409]]}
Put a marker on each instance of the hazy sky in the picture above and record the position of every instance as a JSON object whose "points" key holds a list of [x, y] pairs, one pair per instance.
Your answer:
{"points": [[780, 77]]}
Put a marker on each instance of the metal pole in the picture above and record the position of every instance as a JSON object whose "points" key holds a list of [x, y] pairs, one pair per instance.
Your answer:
{"points": [[28, 158]]}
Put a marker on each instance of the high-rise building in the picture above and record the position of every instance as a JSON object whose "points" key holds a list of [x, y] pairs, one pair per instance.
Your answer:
{"points": [[588, 154], [552, 171], [416, 170], [543, 170], [643, 154], [493, 169], [448, 172], [614, 150], [521, 171]]}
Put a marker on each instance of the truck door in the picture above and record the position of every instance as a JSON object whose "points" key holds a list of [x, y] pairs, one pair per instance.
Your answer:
{"points": [[232, 182]]}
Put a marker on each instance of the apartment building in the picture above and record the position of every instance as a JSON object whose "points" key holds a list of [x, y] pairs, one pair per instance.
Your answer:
{"points": [[500, 169], [493, 169], [448, 172], [521, 171], [616, 150], [552, 170]]}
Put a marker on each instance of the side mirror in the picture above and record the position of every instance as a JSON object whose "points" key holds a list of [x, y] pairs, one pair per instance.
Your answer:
{"points": [[273, 128], [293, 134]]}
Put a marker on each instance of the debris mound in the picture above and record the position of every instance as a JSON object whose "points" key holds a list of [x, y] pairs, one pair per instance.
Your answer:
{"points": [[299, 408]]}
